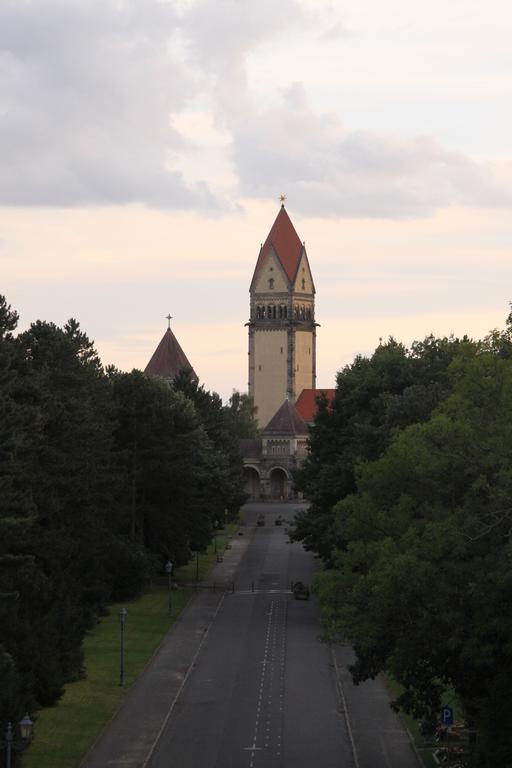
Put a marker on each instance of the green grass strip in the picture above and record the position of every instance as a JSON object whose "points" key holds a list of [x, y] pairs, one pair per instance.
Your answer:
{"points": [[65, 732]]}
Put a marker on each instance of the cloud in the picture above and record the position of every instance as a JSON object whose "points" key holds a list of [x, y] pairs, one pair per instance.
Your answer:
{"points": [[87, 89], [220, 35], [328, 170], [99, 99]]}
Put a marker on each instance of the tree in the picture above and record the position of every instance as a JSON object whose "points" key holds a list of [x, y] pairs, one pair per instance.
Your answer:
{"points": [[243, 424], [164, 456], [222, 424], [421, 582], [374, 397]]}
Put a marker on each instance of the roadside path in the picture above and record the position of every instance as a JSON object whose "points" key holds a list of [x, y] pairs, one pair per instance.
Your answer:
{"points": [[131, 736]]}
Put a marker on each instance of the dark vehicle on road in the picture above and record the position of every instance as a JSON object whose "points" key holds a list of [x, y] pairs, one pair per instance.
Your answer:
{"points": [[261, 519], [300, 591], [278, 520]]}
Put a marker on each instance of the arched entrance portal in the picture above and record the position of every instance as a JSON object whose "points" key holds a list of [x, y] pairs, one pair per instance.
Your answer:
{"points": [[252, 482], [278, 484]]}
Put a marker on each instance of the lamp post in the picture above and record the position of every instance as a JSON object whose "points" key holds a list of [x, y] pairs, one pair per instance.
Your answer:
{"points": [[168, 569], [8, 745], [26, 727], [215, 529], [122, 617], [197, 566]]}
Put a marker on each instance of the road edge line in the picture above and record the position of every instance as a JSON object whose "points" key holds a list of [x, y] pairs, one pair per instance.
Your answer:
{"points": [[345, 709], [145, 764]]}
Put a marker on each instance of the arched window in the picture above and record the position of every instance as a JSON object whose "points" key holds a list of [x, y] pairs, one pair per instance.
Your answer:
{"points": [[269, 312], [280, 311], [258, 313], [271, 283], [285, 311], [303, 284], [274, 311]]}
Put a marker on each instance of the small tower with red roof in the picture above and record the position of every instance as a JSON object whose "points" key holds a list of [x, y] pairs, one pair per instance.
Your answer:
{"points": [[282, 328], [168, 359]]}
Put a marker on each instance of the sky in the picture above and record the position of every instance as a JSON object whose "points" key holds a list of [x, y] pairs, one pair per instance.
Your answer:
{"points": [[144, 145]]}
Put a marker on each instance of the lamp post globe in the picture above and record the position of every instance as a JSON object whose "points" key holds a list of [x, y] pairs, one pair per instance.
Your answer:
{"points": [[26, 727]]}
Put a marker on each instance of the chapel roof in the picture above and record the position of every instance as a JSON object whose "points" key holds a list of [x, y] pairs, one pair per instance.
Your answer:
{"points": [[168, 358], [286, 421], [286, 243], [306, 405]]}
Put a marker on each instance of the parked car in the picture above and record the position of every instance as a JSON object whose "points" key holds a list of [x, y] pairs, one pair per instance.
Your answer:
{"points": [[261, 519]]}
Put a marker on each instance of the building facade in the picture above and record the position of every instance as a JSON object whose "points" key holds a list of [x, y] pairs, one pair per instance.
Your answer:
{"points": [[282, 362], [282, 328]]}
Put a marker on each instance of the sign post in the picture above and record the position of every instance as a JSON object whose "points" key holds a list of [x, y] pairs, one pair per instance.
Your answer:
{"points": [[447, 715]]}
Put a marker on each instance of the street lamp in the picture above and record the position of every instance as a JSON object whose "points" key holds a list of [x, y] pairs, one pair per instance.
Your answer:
{"points": [[26, 727], [168, 569], [215, 529], [122, 617]]}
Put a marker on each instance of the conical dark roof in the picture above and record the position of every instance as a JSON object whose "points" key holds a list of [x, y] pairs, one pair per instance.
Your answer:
{"points": [[286, 422], [168, 358]]}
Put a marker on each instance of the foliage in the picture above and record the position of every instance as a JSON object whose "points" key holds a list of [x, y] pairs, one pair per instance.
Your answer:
{"points": [[223, 425], [374, 397], [421, 581], [103, 477]]}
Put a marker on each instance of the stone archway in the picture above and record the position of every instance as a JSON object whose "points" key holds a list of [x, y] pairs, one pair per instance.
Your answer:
{"points": [[279, 484], [252, 482]]}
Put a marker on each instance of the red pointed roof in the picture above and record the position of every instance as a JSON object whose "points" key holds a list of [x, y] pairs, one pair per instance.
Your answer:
{"points": [[286, 421], [168, 358], [286, 243], [306, 402]]}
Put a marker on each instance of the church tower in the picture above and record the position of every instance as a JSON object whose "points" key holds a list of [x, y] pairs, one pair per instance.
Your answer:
{"points": [[282, 328]]}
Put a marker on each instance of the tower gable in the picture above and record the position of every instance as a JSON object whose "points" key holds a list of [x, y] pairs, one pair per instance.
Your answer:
{"points": [[303, 282], [271, 275]]}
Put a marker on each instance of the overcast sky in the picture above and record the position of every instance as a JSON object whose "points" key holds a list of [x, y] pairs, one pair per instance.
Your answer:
{"points": [[144, 145]]}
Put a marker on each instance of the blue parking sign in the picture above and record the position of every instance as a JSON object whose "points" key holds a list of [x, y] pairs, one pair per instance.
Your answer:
{"points": [[447, 715]]}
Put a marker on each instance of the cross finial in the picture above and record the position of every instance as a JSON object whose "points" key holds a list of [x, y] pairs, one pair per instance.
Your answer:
{"points": [[168, 318], [282, 198]]}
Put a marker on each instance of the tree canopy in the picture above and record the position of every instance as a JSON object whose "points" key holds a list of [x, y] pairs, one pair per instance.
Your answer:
{"points": [[418, 570], [103, 477]]}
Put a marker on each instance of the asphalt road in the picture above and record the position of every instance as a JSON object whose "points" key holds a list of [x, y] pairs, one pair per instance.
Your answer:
{"points": [[263, 693], [242, 680]]}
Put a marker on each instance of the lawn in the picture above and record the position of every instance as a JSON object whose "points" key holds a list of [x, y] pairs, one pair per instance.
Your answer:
{"points": [[64, 733]]}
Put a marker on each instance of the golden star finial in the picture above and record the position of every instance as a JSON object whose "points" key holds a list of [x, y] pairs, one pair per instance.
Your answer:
{"points": [[282, 198]]}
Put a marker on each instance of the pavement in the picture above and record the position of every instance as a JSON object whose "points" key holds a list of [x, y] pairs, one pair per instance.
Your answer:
{"points": [[243, 681]]}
